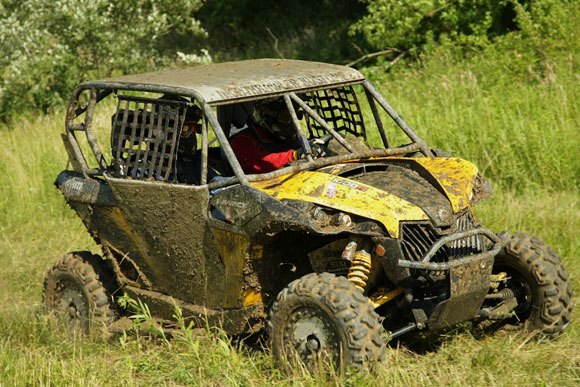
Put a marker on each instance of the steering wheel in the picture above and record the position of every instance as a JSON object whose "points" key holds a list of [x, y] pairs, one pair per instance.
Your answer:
{"points": [[318, 145]]}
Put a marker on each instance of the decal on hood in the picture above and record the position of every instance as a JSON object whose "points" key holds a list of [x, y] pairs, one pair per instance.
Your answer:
{"points": [[344, 195]]}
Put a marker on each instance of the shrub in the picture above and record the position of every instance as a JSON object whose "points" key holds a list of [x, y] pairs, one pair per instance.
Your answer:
{"points": [[49, 46], [414, 25]]}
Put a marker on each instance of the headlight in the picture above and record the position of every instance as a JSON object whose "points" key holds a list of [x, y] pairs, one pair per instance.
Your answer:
{"points": [[320, 216], [338, 219], [342, 219]]}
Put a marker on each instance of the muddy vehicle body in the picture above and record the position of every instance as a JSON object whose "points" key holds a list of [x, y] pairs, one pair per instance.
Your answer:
{"points": [[329, 255]]}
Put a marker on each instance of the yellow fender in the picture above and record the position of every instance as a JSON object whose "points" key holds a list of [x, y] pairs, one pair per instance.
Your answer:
{"points": [[343, 195]]}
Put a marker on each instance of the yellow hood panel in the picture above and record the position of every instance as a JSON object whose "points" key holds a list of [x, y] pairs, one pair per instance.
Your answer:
{"points": [[456, 177], [344, 195]]}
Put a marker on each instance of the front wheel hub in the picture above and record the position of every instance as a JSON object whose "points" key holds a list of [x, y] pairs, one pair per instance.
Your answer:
{"points": [[312, 343], [72, 311], [311, 332]]}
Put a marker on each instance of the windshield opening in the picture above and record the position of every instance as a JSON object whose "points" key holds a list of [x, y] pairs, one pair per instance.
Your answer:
{"points": [[349, 128]]}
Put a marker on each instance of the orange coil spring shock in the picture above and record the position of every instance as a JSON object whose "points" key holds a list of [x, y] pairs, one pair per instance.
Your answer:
{"points": [[360, 268]]}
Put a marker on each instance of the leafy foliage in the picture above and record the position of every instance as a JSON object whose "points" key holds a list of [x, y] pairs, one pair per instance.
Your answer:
{"points": [[410, 25], [534, 31], [49, 46]]}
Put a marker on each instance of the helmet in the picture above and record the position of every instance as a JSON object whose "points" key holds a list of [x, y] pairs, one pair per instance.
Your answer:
{"points": [[274, 117], [193, 116]]}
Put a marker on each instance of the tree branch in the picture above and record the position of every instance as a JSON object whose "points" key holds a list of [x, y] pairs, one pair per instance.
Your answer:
{"points": [[275, 43], [373, 55]]}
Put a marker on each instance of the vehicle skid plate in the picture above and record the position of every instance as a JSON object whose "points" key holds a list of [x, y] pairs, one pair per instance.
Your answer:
{"points": [[468, 285]]}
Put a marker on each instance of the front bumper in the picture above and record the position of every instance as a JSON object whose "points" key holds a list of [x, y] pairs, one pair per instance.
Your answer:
{"points": [[425, 264], [468, 276]]}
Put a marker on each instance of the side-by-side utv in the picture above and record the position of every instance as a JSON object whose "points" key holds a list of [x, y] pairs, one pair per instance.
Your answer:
{"points": [[331, 256]]}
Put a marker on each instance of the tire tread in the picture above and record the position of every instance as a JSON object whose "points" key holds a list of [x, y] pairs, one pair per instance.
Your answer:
{"points": [[80, 265], [362, 325], [555, 304]]}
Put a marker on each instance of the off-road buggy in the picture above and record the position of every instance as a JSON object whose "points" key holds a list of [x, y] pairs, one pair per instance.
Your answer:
{"points": [[330, 256]]}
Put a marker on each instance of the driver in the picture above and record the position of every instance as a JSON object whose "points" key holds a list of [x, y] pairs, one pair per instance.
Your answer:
{"points": [[270, 141], [187, 138]]}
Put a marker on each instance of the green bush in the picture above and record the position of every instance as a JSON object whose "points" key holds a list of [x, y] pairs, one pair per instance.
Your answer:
{"points": [[418, 24], [49, 46], [408, 25]]}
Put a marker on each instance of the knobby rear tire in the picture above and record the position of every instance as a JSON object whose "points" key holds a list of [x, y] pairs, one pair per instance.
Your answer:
{"points": [[74, 292]]}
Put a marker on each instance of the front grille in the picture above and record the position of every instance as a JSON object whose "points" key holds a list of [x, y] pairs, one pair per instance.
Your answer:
{"points": [[466, 246], [417, 239]]}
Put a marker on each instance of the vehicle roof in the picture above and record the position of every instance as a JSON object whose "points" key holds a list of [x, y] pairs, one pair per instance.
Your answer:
{"points": [[224, 82]]}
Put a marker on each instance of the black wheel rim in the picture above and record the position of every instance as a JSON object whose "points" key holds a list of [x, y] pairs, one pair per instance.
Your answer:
{"points": [[522, 292], [312, 335], [72, 305]]}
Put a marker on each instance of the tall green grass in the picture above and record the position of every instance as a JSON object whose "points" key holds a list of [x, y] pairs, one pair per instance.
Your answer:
{"points": [[523, 135]]}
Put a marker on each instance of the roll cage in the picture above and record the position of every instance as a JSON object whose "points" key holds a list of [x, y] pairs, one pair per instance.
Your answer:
{"points": [[332, 110]]}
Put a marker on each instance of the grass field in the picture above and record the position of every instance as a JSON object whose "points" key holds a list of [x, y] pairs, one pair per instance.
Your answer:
{"points": [[524, 137]]}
